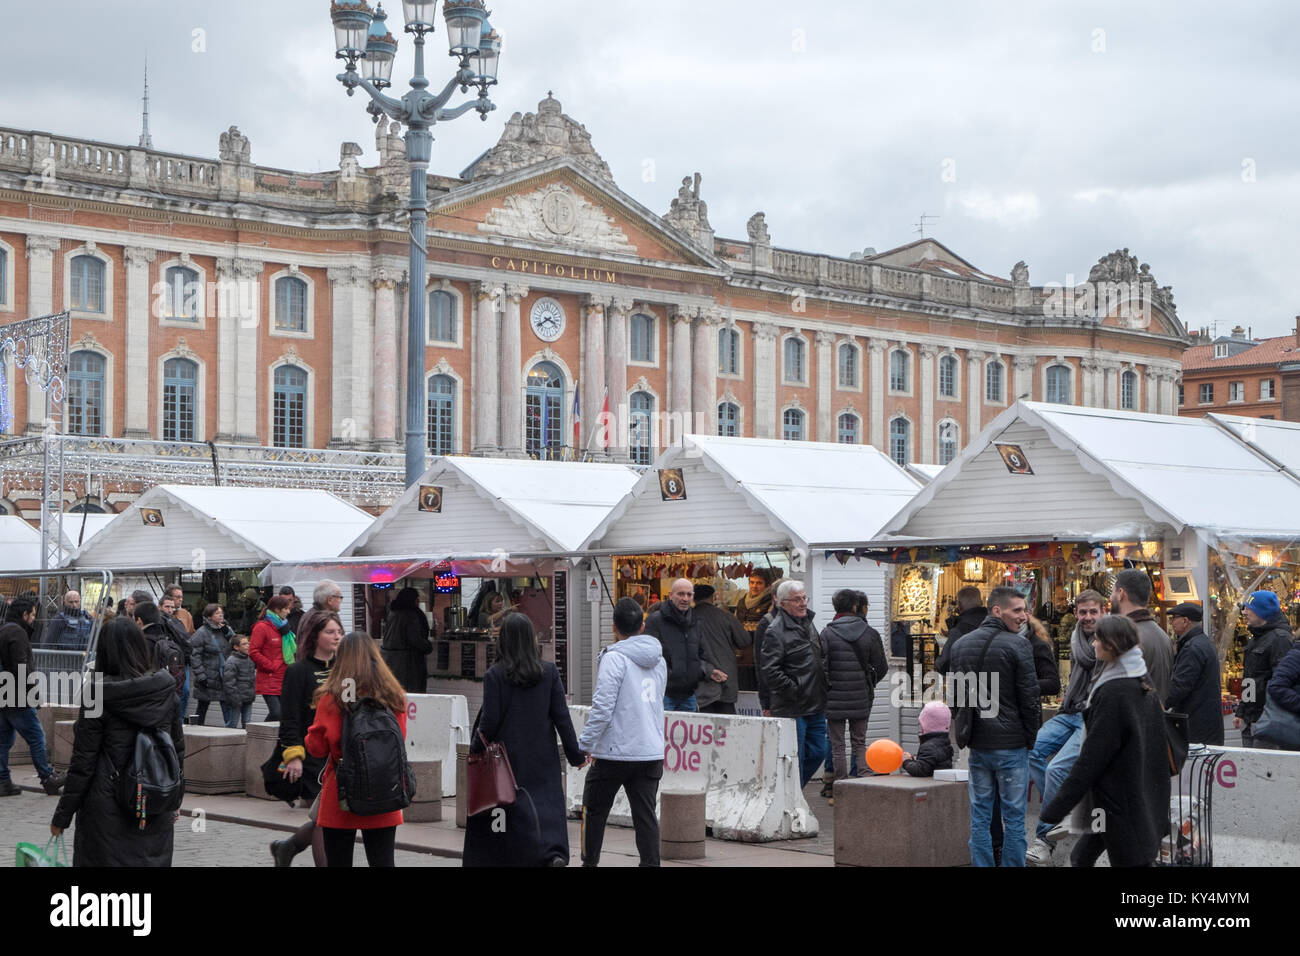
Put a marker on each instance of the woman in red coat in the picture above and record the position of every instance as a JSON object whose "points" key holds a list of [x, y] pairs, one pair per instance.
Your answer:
{"points": [[269, 654], [359, 672]]}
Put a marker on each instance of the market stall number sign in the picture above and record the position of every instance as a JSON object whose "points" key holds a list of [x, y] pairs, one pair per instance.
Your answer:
{"points": [[672, 487], [1015, 459], [152, 516], [431, 498]]}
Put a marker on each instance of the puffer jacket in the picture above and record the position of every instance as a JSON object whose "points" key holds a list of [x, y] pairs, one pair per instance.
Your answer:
{"points": [[794, 677], [1269, 643], [1285, 685], [206, 661], [680, 639], [1009, 668], [1194, 688], [967, 621], [106, 834], [239, 680], [935, 753], [855, 663]]}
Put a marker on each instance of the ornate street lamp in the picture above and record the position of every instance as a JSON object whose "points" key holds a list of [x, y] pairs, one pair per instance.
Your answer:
{"points": [[361, 34]]}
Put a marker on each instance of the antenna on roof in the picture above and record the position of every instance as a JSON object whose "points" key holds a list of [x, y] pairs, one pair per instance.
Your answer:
{"points": [[146, 141], [920, 226]]}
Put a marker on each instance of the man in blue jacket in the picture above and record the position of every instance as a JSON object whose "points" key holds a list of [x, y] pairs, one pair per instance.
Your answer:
{"points": [[624, 735]]}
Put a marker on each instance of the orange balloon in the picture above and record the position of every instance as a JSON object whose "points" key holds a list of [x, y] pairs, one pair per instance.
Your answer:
{"points": [[884, 756]]}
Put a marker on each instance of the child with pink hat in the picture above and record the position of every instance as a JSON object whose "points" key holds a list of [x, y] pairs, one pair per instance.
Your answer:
{"points": [[935, 752]]}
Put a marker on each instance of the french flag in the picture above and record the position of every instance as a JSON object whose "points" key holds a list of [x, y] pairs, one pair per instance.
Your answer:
{"points": [[577, 418]]}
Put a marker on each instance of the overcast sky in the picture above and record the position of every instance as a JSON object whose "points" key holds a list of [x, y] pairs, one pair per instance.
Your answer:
{"points": [[1048, 132]]}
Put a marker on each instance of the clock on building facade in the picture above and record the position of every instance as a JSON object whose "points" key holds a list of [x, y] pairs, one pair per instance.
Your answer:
{"points": [[547, 319]]}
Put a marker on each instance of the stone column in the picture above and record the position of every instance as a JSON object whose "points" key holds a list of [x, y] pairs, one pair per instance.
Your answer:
{"points": [[764, 380], [1109, 397], [1024, 379], [595, 360], [616, 374], [1086, 367], [1151, 394], [876, 382], [384, 280], [974, 394], [350, 408], [927, 386], [1169, 392], [511, 435], [40, 301], [825, 383], [138, 314], [487, 382], [704, 374], [237, 368], [679, 396]]}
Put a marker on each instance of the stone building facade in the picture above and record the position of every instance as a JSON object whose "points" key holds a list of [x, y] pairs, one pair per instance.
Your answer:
{"points": [[261, 308]]}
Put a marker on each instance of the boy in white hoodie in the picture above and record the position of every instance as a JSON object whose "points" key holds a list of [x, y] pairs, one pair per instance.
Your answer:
{"points": [[624, 735]]}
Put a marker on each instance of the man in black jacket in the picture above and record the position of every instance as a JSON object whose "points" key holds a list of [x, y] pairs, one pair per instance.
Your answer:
{"points": [[1194, 689], [722, 637], [855, 663], [1270, 640], [794, 679], [673, 624], [992, 670], [17, 700]]}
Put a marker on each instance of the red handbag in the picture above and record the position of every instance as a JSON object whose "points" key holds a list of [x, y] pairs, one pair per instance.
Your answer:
{"points": [[489, 779]]}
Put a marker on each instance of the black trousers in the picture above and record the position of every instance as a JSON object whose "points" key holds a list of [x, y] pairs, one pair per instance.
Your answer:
{"points": [[640, 781], [272, 706], [719, 707], [339, 845]]}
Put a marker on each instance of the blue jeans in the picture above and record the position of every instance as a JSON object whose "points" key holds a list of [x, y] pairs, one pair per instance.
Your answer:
{"points": [[1005, 773], [1055, 751], [814, 745], [681, 703], [22, 720], [185, 695], [237, 715]]}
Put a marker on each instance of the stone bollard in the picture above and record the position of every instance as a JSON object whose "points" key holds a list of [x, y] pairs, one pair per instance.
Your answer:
{"points": [[462, 787], [427, 806], [899, 820], [681, 825], [261, 741], [60, 745], [214, 759]]}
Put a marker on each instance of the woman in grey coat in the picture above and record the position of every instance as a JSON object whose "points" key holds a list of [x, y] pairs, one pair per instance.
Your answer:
{"points": [[209, 646]]}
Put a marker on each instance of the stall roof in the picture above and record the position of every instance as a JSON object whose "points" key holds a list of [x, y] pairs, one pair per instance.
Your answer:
{"points": [[509, 504], [94, 523], [1279, 440], [806, 491], [1102, 474], [924, 473], [20, 545], [224, 527]]}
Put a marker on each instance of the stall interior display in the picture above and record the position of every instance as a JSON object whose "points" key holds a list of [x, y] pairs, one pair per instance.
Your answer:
{"points": [[647, 578], [1238, 567]]}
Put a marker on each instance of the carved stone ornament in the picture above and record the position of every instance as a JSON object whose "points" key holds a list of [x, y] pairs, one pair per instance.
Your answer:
{"points": [[757, 229], [442, 368], [532, 138], [88, 341], [796, 404], [183, 350], [537, 214], [234, 147], [641, 385], [290, 356], [1119, 266], [622, 303], [1020, 274]]}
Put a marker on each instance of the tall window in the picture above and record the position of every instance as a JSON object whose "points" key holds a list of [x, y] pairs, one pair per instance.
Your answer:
{"points": [[641, 407], [180, 379], [898, 371], [728, 420], [291, 304], [1058, 385], [728, 351], [4, 275], [847, 429], [848, 362], [900, 441], [1180, 393], [792, 425], [993, 381], [947, 442], [1265, 384], [1207, 393], [183, 293], [948, 376], [641, 338], [1236, 391], [544, 410], [442, 317], [87, 283], [441, 425], [1128, 386], [794, 360], [289, 409], [85, 399]]}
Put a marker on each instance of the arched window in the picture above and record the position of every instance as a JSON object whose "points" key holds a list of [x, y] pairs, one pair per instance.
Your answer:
{"points": [[86, 507], [85, 399], [641, 338], [441, 425], [1058, 385], [289, 411], [900, 441], [948, 440], [442, 316], [641, 407], [847, 429], [848, 366], [180, 377], [792, 425], [794, 364], [898, 362], [544, 410], [993, 381], [1128, 386], [87, 283], [183, 294], [728, 420], [948, 376], [728, 351], [291, 304]]}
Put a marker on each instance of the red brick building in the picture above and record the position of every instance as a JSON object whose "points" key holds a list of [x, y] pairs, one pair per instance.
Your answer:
{"points": [[1238, 375]]}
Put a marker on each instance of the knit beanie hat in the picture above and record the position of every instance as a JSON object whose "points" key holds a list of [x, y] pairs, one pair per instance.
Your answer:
{"points": [[935, 717], [1263, 603]]}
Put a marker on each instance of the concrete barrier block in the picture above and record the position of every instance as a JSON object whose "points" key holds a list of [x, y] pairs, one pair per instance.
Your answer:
{"points": [[430, 812], [50, 714], [901, 821], [435, 724], [462, 772], [671, 850], [262, 739], [428, 780], [61, 748], [681, 816], [1255, 801], [214, 759]]}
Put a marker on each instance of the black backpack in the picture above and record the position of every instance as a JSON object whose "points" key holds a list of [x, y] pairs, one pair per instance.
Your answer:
{"points": [[373, 774], [153, 781], [169, 657]]}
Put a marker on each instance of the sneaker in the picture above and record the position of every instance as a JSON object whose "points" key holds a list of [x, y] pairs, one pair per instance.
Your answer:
{"points": [[1057, 833], [54, 783], [828, 790], [1040, 854], [283, 852], [7, 789]]}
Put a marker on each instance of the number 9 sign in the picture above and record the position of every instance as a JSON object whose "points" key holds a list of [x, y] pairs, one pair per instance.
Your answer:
{"points": [[1014, 459]]}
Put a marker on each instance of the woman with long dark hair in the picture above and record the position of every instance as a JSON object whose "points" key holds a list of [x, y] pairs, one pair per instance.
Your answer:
{"points": [[524, 708], [273, 649], [358, 673], [302, 679], [406, 644], [132, 696]]}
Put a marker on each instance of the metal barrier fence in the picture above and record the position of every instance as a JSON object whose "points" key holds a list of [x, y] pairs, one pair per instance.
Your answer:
{"points": [[63, 643]]}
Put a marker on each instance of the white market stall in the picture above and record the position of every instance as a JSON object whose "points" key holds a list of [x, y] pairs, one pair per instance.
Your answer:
{"points": [[20, 545]]}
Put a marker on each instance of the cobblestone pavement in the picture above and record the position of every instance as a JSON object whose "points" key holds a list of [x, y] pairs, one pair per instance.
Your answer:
{"points": [[26, 818]]}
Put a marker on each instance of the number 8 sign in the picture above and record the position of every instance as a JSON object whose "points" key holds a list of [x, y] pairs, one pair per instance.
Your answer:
{"points": [[672, 487]]}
